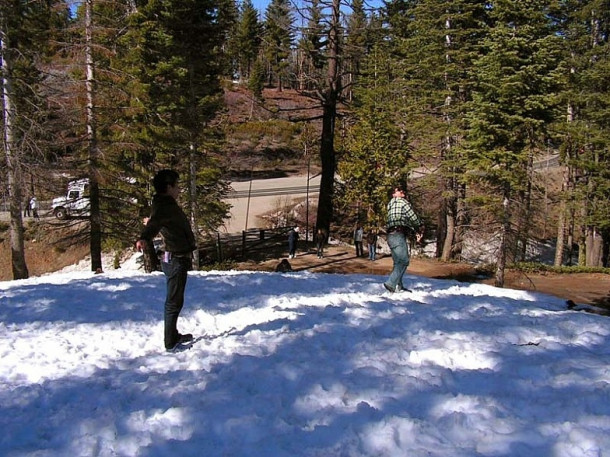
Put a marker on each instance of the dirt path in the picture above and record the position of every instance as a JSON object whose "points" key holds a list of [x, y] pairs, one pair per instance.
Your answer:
{"points": [[584, 288]]}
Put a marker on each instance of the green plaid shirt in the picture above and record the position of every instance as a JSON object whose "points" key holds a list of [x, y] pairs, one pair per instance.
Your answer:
{"points": [[401, 214]]}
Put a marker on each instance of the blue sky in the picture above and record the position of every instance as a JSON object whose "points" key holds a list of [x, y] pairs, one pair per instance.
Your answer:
{"points": [[260, 5]]}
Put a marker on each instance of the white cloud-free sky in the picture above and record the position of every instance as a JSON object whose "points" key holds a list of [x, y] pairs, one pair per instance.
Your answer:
{"points": [[298, 364]]}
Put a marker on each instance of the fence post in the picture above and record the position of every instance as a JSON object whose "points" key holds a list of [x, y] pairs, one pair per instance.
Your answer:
{"points": [[218, 247], [243, 243]]}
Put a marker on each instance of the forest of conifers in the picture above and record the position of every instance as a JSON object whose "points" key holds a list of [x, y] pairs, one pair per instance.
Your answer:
{"points": [[457, 99]]}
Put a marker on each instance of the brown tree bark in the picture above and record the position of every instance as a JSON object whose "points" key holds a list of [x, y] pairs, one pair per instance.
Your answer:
{"points": [[13, 164]]}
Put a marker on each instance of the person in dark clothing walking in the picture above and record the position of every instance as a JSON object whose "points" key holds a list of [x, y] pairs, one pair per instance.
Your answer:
{"points": [[27, 207], [358, 235], [371, 240], [168, 218], [293, 237], [401, 221], [320, 242]]}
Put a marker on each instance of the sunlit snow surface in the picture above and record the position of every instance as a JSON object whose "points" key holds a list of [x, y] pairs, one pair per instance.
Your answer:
{"points": [[298, 364]]}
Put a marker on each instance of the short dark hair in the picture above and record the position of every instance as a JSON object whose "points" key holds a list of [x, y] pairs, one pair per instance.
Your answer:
{"points": [[395, 188], [163, 179]]}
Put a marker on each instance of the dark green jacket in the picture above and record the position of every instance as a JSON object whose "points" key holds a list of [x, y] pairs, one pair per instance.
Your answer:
{"points": [[169, 219]]}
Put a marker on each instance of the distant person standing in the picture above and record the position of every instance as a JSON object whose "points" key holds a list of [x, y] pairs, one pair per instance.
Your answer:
{"points": [[168, 218], [34, 207], [293, 237], [371, 241], [401, 221], [358, 236], [27, 208], [320, 242]]}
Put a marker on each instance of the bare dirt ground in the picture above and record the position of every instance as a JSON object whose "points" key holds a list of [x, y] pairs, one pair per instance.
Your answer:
{"points": [[591, 289]]}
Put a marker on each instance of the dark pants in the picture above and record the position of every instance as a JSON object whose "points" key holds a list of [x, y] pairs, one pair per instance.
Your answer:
{"points": [[320, 248], [359, 251], [176, 273]]}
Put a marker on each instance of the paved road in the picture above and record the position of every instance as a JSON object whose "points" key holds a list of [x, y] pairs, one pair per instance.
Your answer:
{"points": [[251, 199]]}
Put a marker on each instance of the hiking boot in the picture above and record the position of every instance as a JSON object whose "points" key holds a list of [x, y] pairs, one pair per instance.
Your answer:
{"points": [[180, 341], [184, 338], [389, 288]]}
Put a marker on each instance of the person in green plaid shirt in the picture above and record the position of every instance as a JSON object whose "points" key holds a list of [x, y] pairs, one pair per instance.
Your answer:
{"points": [[401, 220]]}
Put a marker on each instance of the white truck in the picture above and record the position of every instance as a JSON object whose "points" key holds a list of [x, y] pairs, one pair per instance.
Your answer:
{"points": [[75, 203]]}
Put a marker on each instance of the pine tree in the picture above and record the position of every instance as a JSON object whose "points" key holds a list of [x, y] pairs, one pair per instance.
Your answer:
{"points": [[586, 141], [326, 54], [177, 60], [24, 45], [357, 43], [100, 29], [247, 39], [434, 43], [513, 103], [375, 156], [278, 40], [256, 82], [311, 48]]}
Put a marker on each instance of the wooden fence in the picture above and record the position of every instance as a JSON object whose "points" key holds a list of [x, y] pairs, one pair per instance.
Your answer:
{"points": [[248, 243]]}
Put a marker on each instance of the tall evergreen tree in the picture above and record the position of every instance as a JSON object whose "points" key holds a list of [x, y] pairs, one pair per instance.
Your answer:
{"points": [[586, 142], [278, 40], [24, 42], [328, 52], [375, 155], [435, 42], [357, 42], [177, 51], [330, 90], [246, 39], [311, 48], [513, 103], [102, 26]]}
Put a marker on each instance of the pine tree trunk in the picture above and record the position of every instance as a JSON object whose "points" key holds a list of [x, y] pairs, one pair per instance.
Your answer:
{"points": [[95, 214], [461, 222], [193, 200], [327, 146], [327, 178], [525, 213], [565, 188], [13, 165], [582, 236], [504, 236], [441, 231], [561, 223], [449, 237], [450, 219], [595, 248], [448, 202]]}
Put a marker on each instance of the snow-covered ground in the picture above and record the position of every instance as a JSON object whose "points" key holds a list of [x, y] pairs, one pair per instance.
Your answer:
{"points": [[298, 364]]}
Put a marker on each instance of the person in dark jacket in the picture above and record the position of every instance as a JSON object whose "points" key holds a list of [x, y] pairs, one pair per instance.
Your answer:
{"points": [[320, 242], [358, 236], [371, 240], [27, 208], [293, 237], [168, 218]]}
